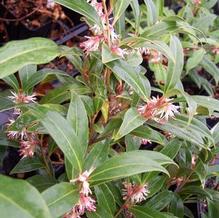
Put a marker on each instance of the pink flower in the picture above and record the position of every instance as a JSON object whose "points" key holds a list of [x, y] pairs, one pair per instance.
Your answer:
{"points": [[50, 4], [97, 5], [84, 203], [91, 44], [159, 109], [27, 148], [145, 141], [12, 134], [215, 51], [135, 193], [197, 2], [83, 178], [20, 97], [118, 51]]}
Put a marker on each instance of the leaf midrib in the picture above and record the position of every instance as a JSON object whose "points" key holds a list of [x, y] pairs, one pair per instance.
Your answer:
{"points": [[11, 57]]}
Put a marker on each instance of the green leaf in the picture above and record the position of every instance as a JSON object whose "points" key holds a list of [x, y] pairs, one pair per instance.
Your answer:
{"points": [[207, 102], [83, 8], [16, 54], [128, 164], [195, 132], [176, 206], [41, 75], [195, 59], [211, 68], [41, 183], [131, 121], [25, 74], [174, 69], [148, 133], [12, 81], [20, 199], [120, 8], [27, 165], [145, 212], [129, 74], [107, 55], [160, 201], [172, 148], [77, 116], [61, 198], [97, 155], [62, 133], [105, 198], [151, 12]]}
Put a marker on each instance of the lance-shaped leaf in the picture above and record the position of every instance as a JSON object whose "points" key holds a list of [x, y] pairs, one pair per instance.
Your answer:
{"points": [[147, 212], [195, 131], [120, 8], [62, 133], [77, 116], [130, 75], [83, 8], [16, 54], [61, 198], [174, 67], [128, 164], [27, 165], [131, 121], [19, 199], [151, 12]]}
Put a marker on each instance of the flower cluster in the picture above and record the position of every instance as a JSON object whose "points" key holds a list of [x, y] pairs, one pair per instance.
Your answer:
{"points": [[106, 34], [135, 193], [85, 203], [159, 109], [197, 2], [216, 50], [22, 98], [28, 141]]}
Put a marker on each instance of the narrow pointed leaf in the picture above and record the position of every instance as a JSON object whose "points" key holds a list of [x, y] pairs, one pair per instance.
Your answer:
{"points": [[120, 8], [16, 54], [62, 133], [135, 79], [77, 116], [61, 198], [174, 67], [83, 8], [19, 199], [131, 121], [128, 164]]}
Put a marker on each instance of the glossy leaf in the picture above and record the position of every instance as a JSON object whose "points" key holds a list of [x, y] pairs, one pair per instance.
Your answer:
{"points": [[20, 199], [145, 212], [151, 12], [28, 51], [41, 183], [61, 198], [195, 59], [25, 74], [77, 116], [27, 165], [128, 164], [174, 68], [62, 133], [97, 155], [131, 121], [119, 8], [136, 80], [105, 198], [83, 8], [12, 81]]}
